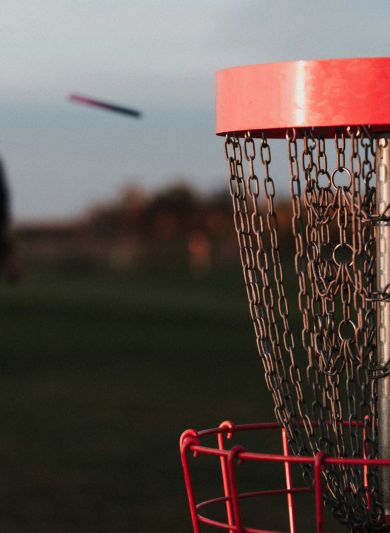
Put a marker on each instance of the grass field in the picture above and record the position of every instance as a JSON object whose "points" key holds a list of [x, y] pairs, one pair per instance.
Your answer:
{"points": [[100, 373]]}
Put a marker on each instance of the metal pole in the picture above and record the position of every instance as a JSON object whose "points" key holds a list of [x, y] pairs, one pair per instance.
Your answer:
{"points": [[383, 311]]}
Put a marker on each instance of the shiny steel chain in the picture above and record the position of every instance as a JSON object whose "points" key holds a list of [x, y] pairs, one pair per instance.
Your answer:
{"points": [[333, 228]]}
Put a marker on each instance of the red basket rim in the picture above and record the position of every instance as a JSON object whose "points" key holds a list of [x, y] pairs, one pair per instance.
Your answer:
{"points": [[191, 439], [191, 444], [324, 94]]}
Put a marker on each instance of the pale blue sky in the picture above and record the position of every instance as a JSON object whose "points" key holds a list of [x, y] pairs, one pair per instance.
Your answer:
{"points": [[158, 56]]}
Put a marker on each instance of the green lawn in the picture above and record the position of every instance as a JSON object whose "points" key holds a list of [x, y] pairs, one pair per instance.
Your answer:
{"points": [[100, 373]]}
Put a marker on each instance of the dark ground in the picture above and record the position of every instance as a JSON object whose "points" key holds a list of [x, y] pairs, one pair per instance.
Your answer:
{"points": [[100, 373]]}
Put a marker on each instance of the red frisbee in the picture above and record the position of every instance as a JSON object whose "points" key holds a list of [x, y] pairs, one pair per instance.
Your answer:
{"points": [[326, 94]]}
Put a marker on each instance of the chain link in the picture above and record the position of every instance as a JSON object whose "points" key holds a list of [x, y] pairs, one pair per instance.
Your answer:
{"points": [[333, 227]]}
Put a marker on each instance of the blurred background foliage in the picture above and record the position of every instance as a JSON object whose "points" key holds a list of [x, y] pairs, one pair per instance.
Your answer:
{"points": [[176, 223], [130, 324]]}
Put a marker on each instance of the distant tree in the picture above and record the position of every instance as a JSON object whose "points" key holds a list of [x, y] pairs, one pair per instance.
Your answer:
{"points": [[179, 198], [171, 212]]}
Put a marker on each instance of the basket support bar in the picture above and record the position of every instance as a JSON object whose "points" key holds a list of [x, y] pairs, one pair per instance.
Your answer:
{"points": [[225, 476], [289, 484], [383, 311], [318, 491]]}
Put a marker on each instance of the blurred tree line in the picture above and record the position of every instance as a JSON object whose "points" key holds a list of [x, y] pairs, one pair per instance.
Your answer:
{"points": [[174, 224]]}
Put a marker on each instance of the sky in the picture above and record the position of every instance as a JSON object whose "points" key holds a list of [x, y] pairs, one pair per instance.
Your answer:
{"points": [[156, 56]]}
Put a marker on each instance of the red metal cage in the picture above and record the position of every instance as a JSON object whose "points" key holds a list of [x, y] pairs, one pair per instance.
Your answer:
{"points": [[230, 457], [312, 101]]}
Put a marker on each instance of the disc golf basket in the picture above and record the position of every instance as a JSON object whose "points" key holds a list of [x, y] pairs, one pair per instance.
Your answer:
{"points": [[330, 376]]}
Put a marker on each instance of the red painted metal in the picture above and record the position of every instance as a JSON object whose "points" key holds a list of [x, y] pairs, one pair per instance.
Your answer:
{"points": [[325, 94], [191, 444], [232, 458], [287, 471], [188, 439], [224, 469], [318, 465], [365, 468]]}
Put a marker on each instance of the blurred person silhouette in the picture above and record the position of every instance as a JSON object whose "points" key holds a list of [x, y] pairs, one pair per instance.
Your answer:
{"points": [[9, 263]]}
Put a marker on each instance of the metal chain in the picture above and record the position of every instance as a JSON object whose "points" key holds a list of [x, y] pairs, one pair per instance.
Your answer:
{"points": [[333, 227], [261, 303]]}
